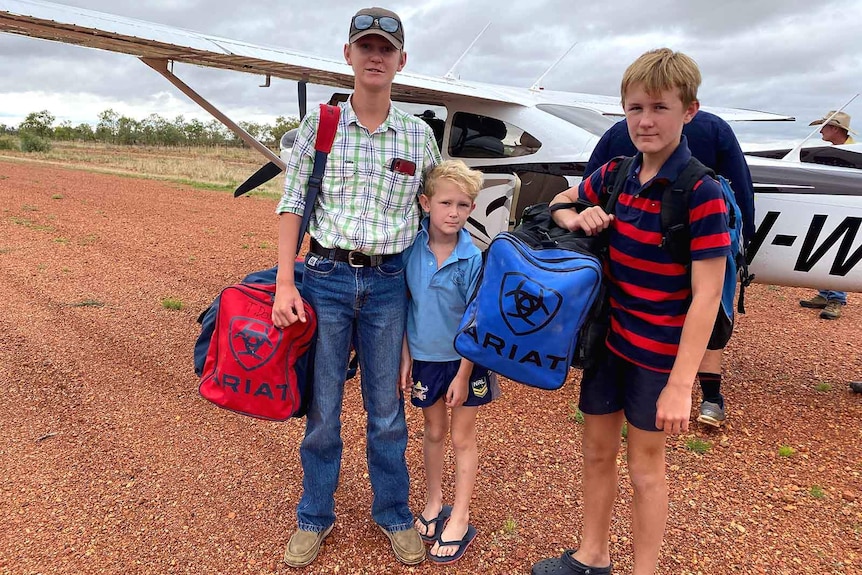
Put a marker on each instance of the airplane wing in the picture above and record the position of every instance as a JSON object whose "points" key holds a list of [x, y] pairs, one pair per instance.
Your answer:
{"points": [[72, 25]]}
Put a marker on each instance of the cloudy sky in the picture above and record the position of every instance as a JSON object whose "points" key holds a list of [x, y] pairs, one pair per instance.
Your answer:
{"points": [[793, 57]]}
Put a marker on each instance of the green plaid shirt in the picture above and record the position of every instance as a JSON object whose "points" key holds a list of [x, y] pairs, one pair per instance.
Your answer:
{"points": [[363, 205]]}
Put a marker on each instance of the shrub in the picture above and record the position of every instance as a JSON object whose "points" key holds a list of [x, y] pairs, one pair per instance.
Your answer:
{"points": [[33, 143], [8, 143]]}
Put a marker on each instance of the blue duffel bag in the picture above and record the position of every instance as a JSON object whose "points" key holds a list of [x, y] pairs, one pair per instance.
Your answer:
{"points": [[538, 288]]}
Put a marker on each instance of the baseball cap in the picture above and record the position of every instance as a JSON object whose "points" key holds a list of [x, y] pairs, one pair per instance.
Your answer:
{"points": [[379, 21]]}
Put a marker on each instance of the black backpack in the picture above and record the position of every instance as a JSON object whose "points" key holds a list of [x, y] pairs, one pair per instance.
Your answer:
{"points": [[676, 234]]}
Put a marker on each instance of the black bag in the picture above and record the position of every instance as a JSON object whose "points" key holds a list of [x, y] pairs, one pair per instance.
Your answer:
{"points": [[537, 227]]}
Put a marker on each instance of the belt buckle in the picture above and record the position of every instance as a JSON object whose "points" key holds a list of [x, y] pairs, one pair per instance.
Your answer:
{"points": [[350, 255]]}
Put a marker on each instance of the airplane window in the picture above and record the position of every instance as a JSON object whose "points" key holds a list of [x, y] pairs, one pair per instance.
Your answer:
{"points": [[477, 136], [589, 120]]}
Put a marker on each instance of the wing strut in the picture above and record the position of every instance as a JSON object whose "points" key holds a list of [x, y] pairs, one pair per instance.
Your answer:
{"points": [[302, 96], [160, 65]]}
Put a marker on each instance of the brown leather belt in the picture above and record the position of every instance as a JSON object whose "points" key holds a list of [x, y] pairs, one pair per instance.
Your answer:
{"points": [[354, 258]]}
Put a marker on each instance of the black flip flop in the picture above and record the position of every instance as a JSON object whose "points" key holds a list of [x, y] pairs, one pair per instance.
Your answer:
{"points": [[462, 544], [441, 518]]}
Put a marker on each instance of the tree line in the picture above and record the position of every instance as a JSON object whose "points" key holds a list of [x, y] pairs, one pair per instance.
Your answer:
{"points": [[39, 129]]}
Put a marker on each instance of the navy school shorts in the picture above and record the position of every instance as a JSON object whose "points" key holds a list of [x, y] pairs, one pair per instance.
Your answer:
{"points": [[617, 384], [431, 381]]}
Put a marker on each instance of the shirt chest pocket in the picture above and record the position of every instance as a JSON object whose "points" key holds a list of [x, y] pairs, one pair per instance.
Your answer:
{"points": [[399, 189], [338, 174]]}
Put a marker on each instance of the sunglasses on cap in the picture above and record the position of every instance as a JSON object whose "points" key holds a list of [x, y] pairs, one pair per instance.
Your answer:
{"points": [[385, 23]]}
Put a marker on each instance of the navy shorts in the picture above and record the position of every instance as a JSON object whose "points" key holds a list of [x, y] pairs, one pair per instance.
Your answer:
{"points": [[617, 384], [431, 381]]}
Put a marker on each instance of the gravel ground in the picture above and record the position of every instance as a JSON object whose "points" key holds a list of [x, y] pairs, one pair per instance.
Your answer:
{"points": [[112, 463]]}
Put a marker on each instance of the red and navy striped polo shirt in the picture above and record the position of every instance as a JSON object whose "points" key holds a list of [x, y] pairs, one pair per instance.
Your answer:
{"points": [[649, 293]]}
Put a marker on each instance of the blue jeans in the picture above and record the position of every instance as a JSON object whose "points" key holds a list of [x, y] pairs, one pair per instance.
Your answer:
{"points": [[839, 295], [372, 303]]}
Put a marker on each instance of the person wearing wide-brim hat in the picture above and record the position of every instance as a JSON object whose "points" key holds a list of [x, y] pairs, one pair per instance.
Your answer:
{"points": [[836, 128]]}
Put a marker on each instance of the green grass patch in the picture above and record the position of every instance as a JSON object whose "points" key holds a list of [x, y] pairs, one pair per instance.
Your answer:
{"points": [[823, 386], [263, 245], [172, 304], [57, 197], [509, 526], [205, 185], [63, 241], [89, 302], [817, 492], [624, 432], [786, 451], [575, 414], [30, 224], [88, 240], [697, 445]]}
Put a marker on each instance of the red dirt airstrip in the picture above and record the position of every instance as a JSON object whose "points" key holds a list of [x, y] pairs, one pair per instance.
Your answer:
{"points": [[112, 463]]}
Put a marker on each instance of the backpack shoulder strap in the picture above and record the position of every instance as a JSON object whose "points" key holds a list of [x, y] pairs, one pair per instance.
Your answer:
{"points": [[614, 182], [676, 236], [326, 129]]}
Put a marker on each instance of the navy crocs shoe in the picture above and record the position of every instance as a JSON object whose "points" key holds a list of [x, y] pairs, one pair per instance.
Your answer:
{"points": [[566, 564]]}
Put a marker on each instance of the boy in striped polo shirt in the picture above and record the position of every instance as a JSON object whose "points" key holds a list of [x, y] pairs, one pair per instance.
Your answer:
{"points": [[662, 314]]}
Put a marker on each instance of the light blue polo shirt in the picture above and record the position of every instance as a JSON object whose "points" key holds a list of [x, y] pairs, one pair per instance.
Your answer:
{"points": [[438, 296]]}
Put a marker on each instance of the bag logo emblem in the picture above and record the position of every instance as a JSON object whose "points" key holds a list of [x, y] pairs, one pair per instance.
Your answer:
{"points": [[526, 305], [250, 342]]}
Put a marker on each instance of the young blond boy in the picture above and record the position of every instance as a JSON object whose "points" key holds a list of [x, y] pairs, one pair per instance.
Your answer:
{"points": [[661, 317], [442, 268]]}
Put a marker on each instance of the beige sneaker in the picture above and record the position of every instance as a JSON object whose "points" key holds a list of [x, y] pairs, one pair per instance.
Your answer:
{"points": [[303, 546], [817, 302], [407, 545], [832, 310]]}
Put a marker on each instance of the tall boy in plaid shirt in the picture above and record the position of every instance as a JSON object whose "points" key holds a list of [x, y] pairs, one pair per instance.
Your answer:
{"points": [[366, 215]]}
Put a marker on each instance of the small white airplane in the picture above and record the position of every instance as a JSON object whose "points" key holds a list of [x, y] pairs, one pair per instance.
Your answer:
{"points": [[531, 143]]}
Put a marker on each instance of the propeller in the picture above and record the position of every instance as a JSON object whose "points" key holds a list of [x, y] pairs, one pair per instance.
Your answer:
{"points": [[271, 169], [260, 177]]}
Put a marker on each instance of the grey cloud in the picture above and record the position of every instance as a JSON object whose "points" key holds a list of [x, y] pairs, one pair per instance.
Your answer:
{"points": [[784, 56]]}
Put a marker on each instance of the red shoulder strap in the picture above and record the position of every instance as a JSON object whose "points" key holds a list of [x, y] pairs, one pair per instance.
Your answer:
{"points": [[329, 116]]}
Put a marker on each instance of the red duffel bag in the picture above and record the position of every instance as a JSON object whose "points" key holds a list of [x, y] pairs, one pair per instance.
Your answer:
{"points": [[252, 366]]}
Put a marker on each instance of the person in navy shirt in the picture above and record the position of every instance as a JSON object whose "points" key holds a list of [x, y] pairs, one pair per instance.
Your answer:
{"points": [[442, 268], [712, 141], [661, 317]]}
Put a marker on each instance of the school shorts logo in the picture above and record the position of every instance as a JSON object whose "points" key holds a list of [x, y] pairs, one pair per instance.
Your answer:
{"points": [[420, 392], [250, 342], [526, 305], [480, 387]]}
